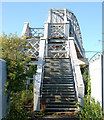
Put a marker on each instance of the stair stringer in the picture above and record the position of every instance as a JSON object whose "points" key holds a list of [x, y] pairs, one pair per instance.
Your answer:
{"points": [[79, 84]]}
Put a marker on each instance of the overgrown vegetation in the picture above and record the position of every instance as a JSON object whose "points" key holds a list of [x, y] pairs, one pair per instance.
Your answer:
{"points": [[91, 109], [17, 73], [84, 71]]}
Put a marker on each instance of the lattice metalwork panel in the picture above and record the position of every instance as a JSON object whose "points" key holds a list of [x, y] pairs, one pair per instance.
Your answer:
{"points": [[57, 54], [34, 47], [37, 32], [56, 30], [57, 50]]}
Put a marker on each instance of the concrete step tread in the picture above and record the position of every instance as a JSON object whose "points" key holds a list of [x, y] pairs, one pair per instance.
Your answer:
{"points": [[71, 109], [58, 76], [54, 83], [58, 84], [61, 105], [59, 95], [59, 81], [65, 71], [58, 90], [59, 71], [61, 102]]}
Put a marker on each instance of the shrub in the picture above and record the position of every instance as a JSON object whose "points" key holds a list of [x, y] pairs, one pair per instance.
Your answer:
{"points": [[27, 96], [91, 109], [16, 110]]}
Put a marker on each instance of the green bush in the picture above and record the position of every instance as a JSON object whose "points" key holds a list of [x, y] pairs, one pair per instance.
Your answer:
{"points": [[17, 73], [27, 97], [91, 109], [16, 110]]}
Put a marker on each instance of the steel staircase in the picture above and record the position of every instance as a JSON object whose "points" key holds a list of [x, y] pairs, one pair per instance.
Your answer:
{"points": [[58, 86], [58, 82]]}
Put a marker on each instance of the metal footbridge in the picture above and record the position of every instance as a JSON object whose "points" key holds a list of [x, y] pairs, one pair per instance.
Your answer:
{"points": [[58, 49]]}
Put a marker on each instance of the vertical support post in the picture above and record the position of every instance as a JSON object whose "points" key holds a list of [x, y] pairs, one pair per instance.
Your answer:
{"points": [[103, 81], [103, 54], [46, 32], [67, 48], [56, 18], [3, 96], [50, 16], [59, 20], [26, 30], [66, 29], [66, 34], [65, 17], [46, 52]]}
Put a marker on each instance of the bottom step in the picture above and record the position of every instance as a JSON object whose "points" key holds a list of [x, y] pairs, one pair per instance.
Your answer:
{"points": [[59, 109]]}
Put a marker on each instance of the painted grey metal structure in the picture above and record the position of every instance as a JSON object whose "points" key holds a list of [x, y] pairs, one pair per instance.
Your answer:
{"points": [[60, 38], [3, 97]]}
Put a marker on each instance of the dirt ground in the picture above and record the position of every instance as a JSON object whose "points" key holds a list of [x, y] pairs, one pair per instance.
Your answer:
{"points": [[53, 116], [59, 117]]}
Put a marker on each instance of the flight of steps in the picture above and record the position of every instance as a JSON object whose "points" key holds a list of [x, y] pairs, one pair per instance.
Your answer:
{"points": [[58, 92]]}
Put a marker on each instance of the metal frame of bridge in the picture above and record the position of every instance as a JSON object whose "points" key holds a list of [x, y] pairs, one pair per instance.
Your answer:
{"points": [[60, 38]]}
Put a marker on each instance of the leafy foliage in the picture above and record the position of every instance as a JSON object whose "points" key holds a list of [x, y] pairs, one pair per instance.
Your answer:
{"points": [[84, 71], [17, 60], [13, 53], [91, 108], [16, 111]]}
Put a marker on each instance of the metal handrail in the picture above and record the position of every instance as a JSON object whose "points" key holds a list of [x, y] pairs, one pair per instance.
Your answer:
{"points": [[79, 85], [38, 78], [74, 74]]}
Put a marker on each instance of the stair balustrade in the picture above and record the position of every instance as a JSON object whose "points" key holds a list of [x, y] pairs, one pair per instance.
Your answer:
{"points": [[38, 78], [79, 84]]}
